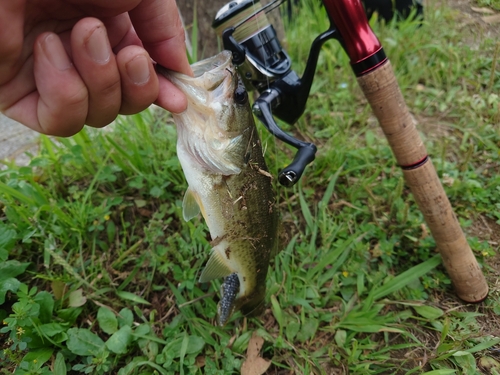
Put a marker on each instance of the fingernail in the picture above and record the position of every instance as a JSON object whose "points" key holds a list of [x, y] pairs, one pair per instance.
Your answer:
{"points": [[138, 70], [98, 46], [55, 52]]}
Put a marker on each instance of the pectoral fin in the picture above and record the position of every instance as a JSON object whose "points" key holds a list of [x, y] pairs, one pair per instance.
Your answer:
{"points": [[216, 268], [190, 205]]}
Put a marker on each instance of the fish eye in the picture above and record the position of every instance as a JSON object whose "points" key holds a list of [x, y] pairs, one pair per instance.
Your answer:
{"points": [[240, 95]]}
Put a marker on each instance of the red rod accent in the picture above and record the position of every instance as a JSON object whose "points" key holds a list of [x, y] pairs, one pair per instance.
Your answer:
{"points": [[350, 20]]}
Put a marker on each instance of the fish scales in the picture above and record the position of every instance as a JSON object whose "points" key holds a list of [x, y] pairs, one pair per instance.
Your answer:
{"points": [[221, 155]]}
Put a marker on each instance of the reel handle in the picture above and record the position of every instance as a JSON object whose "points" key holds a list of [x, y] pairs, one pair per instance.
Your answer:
{"points": [[262, 109]]}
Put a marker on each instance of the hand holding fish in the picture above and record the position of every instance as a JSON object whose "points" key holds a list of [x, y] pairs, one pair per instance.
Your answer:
{"points": [[66, 63]]}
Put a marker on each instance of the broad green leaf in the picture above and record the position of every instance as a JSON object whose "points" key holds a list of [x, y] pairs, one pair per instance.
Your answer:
{"points": [[440, 372], [291, 330], [107, 320], [7, 237], [142, 330], [83, 342], [429, 312], [156, 191], [308, 329], [38, 356], [466, 361], [69, 315], [11, 284], [194, 345], [119, 341], [51, 329], [340, 337], [60, 365], [149, 348], [46, 302], [125, 317], [76, 298], [4, 254], [131, 297], [11, 268]]}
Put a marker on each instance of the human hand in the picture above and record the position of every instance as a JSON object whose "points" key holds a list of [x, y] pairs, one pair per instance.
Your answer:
{"points": [[66, 63]]}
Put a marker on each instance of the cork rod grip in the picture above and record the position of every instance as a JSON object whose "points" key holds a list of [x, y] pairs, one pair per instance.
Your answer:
{"points": [[382, 92]]}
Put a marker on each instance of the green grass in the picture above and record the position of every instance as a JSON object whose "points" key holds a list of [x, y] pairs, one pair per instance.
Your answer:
{"points": [[494, 4], [98, 271]]}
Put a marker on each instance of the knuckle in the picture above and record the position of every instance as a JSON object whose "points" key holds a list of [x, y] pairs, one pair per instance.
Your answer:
{"points": [[59, 128], [135, 102], [65, 115], [77, 99], [109, 89], [104, 104]]}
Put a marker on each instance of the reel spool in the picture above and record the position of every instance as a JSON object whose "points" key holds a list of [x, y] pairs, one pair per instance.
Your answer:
{"points": [[265, 60]]}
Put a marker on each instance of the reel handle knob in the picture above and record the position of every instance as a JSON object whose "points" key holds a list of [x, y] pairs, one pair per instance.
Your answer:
{"points": [[289, 175]]}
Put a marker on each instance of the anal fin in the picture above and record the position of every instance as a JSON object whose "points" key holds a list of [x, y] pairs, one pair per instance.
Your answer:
{"points": [[216, 268]]}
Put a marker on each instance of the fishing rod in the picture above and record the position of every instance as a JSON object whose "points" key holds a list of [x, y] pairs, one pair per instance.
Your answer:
{"points": [[266, 67]]}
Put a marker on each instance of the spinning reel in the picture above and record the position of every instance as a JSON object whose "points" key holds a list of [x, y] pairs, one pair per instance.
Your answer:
{"points": [[265, 66]]}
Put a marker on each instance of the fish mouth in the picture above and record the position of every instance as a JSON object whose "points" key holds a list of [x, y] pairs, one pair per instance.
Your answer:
{"points": [[218, 62], [214, 80]]}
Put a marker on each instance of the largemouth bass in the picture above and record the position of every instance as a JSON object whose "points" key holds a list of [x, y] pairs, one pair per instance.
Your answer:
{"points": [[221, 156]]}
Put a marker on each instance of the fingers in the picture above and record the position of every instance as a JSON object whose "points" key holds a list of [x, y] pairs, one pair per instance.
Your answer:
{"points": [[123, 34], [139, 83], [58, 104], [62, 104], [92, 87], [57, 90], [96, 64], [160, 29], [159, 26], [170, 97], [11, 37]]}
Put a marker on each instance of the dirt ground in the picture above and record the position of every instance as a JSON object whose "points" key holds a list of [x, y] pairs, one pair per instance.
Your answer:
{"points": [[482, 21]]}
